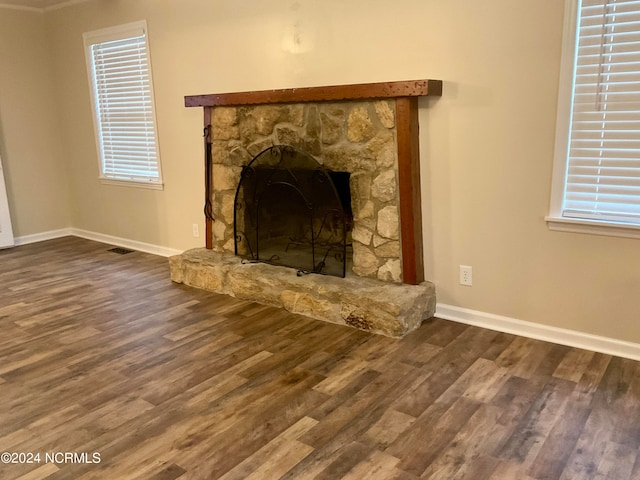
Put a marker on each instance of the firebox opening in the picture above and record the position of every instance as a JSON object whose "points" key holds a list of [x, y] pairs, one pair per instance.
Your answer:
{"points": [[291, 211], [341, 181]]}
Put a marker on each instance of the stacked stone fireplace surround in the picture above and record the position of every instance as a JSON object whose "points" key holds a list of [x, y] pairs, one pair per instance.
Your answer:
{"points": [[354, 136]]}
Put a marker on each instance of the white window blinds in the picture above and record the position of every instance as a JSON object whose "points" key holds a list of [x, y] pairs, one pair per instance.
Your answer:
{"points": [[123, 103], [603, 171]]}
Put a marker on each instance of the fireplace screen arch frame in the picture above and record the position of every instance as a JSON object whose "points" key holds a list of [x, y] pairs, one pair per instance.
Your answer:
{"points": [[258, 226]]}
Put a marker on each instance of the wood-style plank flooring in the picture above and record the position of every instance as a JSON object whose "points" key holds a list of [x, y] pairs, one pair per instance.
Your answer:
{"points": [[101, 353]]}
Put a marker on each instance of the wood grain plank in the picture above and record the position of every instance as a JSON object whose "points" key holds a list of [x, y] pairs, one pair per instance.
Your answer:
{"points": [[536, 424], [471, 441], [276, 457], [424, 449], [552, 457], [617, 462], [377, 466]]}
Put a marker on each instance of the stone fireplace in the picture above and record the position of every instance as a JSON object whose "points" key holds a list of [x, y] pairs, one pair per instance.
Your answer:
{"points": [[354, 137], [368, 133]]}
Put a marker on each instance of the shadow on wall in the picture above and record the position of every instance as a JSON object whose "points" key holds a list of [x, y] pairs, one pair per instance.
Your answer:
{"points": [[6, 230], [5, 164]]}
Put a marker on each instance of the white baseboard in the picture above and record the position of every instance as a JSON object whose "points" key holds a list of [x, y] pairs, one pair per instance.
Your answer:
{"points": [[42, 236], [562, 336], [98, 237], [125, 242]]}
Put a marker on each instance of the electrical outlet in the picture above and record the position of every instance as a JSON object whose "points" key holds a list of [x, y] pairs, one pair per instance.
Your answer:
{"points": [[196, 230], [466, 275]]}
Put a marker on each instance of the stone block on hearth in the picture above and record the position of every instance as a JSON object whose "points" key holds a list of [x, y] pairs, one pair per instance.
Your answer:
{"points": [[392, 309]]}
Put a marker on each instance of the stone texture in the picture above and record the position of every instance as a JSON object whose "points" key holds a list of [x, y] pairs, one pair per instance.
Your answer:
{"points": [[388, 250], [359, 125], [366, 210], [219, 230], [354, 316], [242, 283], [361, 234], [385, 113], [296, 114], [349, 158], [384, 186], [224, 116], [378, 240], [386, 157], [267, 116], [288, 136], [308, 305], [391, 271], [379, 307], [226, 207], [239, 156], [365, 263], [219, 151], [360, 188], [224, 123], [209, 276], [383, 149], [334, 109], [332, 129], [312, 128], [247, 126], [388, 222], [259, 146], [225, 178], [368, 222], [230, 246]]}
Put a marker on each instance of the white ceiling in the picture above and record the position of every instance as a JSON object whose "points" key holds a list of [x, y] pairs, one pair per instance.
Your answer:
{"points": [[36, 4]]}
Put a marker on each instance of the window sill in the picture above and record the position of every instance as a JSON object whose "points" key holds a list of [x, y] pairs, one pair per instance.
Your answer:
{"points": [[594, 227], [132, 183]]}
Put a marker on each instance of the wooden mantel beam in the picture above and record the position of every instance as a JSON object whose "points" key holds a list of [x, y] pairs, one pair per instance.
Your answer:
{"points": [[413, 88]]}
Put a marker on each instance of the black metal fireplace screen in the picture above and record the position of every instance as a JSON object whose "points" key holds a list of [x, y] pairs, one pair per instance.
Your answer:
{"points": [[289, 212]]}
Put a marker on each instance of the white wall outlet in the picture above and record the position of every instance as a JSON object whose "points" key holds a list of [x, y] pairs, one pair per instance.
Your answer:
{"points": [[196, 230], [466, 275]]}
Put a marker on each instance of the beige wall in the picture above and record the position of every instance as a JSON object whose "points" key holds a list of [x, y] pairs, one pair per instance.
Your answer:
{"points": [[487, 143], [36, 180]]}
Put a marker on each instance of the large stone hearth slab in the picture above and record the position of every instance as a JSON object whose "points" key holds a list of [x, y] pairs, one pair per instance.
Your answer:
{"points": [[379, 307]]}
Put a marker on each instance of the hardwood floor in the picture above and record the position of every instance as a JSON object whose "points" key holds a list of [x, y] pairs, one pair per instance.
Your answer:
{"points": [[101, 353]]}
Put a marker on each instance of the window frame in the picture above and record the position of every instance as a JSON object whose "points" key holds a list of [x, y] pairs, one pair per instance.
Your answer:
{"points": [[121, 32], [555, 220]]}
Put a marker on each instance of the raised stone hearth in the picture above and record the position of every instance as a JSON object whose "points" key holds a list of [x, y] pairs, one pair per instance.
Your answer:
{"points": [[379, 307]]}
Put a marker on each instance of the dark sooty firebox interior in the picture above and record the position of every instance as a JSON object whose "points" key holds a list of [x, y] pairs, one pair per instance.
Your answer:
{"points": [[291, 211]]}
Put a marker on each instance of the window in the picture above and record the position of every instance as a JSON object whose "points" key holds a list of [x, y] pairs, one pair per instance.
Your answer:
{"points": [[596, 185], [122, 93]]}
